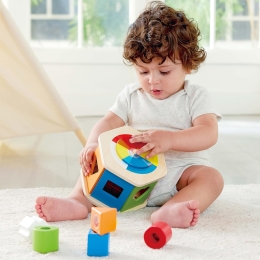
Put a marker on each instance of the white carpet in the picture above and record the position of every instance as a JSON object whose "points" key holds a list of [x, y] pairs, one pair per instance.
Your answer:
{"points": [[229, 229]]}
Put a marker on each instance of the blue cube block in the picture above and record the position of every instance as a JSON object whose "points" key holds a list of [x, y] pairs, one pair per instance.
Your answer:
{"points": [[97, 245]]}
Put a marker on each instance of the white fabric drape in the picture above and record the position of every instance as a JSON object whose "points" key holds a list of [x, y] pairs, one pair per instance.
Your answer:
{"points": [[29, 103]]}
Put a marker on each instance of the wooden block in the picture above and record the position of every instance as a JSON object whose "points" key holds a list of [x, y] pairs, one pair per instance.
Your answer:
{"points": [[103, 220], [45, 239], [27, 225], [157, 235], [97, 245]]}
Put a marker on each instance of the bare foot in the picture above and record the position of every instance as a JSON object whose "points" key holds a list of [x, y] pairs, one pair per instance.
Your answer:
{"points": [[56, 209], [178, 215]]}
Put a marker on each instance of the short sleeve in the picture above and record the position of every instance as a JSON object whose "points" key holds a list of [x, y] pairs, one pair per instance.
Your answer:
{"points": [[121, 105], [200, 102]]}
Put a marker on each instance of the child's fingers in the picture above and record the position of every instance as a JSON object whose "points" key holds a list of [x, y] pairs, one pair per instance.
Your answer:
{"points": [[145, 148], [82, 156], [86, 167], [85, 160], [84, 171], [141, 138], [151, 154]]}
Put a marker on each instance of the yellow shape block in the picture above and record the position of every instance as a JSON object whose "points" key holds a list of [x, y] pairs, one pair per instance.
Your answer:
{"points": [[103, 220]]}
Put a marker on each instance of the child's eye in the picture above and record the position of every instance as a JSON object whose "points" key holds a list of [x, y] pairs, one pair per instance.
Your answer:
{"points": [[143, 72], [164, 72]]}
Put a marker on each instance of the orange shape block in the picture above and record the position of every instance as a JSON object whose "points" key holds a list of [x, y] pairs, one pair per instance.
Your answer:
{"points": [[103, 220]]}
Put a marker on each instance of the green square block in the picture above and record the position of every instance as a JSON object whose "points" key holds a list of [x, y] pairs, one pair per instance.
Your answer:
{"points": [[45, 239], [134, 199]]}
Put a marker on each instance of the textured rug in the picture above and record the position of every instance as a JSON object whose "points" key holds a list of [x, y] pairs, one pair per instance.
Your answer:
{"points": [[229, 229]]}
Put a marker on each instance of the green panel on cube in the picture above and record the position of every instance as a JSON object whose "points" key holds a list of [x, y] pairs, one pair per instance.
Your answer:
{"points": [[138, 196]]}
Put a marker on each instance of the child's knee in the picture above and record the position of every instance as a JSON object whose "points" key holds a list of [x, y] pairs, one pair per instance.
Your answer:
{"points": [[216, 179]]}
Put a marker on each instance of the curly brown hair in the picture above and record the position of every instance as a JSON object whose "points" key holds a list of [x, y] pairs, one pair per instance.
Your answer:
{"points": [[161, 32]]}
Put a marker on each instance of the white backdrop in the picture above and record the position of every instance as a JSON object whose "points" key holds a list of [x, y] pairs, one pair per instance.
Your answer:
{"points": [[90, 84], [89, 79]]}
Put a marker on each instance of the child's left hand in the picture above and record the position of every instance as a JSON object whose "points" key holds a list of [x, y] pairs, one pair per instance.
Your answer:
{"points": [[157, 141]]}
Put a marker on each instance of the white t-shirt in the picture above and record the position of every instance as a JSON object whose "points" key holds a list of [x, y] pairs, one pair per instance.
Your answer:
{"points": [[141, 111]]}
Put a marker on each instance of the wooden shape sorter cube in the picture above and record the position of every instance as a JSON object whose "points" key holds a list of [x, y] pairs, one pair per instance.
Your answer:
{"points": [[103, 220], [120, 178]]}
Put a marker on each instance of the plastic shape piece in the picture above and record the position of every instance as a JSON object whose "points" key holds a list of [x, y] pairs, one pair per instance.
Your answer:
{"points": [[97, 245], [157, 235], [103, 220], [27, 225], [46, 239]]}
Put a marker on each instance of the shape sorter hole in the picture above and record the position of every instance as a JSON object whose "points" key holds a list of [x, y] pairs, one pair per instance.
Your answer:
{"points": [[140, 193], [95, 169], [155, 237], [113, 189], [96, 220], [45, 228]]}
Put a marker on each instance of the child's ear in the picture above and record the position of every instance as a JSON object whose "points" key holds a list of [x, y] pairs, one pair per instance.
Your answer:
{"points": [[187, 71]]}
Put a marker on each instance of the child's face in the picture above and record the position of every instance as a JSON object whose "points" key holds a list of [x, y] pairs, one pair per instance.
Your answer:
{"points": [[160, 81]]}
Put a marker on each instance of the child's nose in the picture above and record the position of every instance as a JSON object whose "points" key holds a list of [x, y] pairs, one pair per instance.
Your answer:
{"points": [[153, 79]]}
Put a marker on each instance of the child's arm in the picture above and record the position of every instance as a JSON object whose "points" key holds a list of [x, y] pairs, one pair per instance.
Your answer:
{"points": [[108, 122], [202, 135]]}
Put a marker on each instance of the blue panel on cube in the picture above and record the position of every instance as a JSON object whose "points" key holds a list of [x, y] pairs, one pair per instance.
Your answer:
{"points": [[112, 190], [141, 170], [136, 161], [97, 245]]}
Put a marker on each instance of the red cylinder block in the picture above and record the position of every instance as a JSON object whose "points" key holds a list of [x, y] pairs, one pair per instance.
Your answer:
{"points": [[157, 235]]}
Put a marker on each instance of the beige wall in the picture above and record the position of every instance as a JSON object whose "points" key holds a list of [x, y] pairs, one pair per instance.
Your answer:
{"points": [[89, 80]]}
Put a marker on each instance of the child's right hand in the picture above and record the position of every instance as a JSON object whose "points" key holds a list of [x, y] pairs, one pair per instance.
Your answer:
{"points": [[86, 157]]}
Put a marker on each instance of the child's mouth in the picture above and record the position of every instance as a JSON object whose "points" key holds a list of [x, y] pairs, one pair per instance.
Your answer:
{"points": [[156, 91]]}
